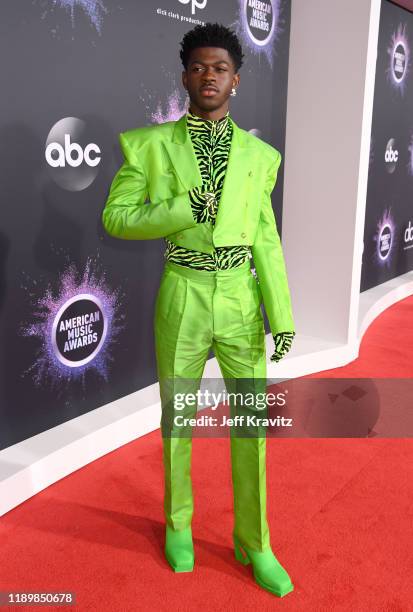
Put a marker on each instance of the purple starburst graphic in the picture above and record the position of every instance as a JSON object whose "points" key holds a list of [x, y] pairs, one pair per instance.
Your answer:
{"points": [[176, 104], [258, 26], [94, 9], [385, 239], [49, 366], [175, 108], [399, 59]]}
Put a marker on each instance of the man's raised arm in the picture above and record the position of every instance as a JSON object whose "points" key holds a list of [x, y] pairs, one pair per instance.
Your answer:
{"points": [[127, 216]]}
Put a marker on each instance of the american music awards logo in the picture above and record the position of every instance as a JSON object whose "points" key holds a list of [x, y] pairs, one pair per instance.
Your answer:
{"points": [[385, 239], [399, 59], [75, 326], [79, 329], [258, 25]]}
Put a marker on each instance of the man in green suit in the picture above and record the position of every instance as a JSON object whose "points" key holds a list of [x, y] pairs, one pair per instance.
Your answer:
{"points": [[203, 184]]}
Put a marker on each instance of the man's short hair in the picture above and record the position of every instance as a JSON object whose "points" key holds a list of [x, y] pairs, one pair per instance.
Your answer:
{"points": [[211, 35]]}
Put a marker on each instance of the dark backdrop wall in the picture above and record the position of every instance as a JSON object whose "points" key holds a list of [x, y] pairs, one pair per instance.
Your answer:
{"points": [[76, 306], [388, 233]]}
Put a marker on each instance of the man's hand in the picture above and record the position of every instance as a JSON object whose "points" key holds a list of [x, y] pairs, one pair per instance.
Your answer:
{"points": [[283, 342], [203, 204]]}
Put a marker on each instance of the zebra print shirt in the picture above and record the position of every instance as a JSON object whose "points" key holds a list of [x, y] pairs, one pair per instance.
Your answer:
{"points": [[211, 140]]}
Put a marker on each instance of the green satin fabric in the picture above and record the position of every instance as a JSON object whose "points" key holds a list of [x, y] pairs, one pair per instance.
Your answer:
{"points": [[196, 310]]}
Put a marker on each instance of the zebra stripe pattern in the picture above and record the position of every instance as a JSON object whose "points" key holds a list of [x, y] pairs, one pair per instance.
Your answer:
{"points": [[211, 140], [282, 341]]}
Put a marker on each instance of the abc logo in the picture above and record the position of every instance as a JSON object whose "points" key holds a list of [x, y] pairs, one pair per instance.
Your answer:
{"points": [[194, 4], [408, 233], [65, 154], [391, 156], [72, 154]]}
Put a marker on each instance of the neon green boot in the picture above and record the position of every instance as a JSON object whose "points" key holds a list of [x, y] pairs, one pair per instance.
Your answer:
{"points": [[179, 549], [268, 571]]}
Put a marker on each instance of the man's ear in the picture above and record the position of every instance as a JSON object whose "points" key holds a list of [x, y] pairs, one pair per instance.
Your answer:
{"points": [[184, 78]]}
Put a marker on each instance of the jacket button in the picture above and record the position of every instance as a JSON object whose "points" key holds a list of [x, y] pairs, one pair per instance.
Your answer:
{"points": [[243, 235], [250, 173], [179, 236]]}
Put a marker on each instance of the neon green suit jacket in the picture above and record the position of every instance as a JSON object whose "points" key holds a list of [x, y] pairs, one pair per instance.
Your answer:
{"points": [[149, 199]]}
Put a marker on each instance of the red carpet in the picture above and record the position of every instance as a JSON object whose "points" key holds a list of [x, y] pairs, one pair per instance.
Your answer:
{"points": [[340, 512]]}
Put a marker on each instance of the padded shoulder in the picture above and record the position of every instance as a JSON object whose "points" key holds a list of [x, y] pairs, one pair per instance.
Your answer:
{"points": [[263, 147], [148, 132], [266, 148], [135, 143]]}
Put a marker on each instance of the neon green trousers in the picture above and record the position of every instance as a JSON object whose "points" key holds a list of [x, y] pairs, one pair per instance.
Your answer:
{"points": [[197, 310]]}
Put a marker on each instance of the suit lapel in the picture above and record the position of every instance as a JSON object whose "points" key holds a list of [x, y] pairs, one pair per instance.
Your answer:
{"points": [[239, 167], [182, 155]]}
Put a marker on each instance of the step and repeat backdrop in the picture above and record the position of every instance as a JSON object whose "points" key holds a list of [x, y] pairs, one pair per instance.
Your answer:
{"points": [[388, 232], [76, 306]]}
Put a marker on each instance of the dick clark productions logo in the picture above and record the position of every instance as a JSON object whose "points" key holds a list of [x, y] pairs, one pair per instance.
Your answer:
{"points": [[200, 4], [79, 330]]}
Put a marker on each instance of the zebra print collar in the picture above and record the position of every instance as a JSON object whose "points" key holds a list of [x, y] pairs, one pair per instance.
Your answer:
{"points": [[196, 121]]}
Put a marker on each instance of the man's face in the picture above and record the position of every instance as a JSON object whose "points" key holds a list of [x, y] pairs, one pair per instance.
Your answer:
{"points": [[209, 66]]}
